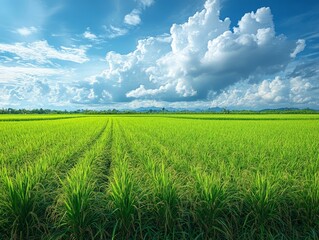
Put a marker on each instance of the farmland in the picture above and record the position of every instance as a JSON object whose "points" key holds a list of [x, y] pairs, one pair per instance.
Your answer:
{"points": [[158, 176]]}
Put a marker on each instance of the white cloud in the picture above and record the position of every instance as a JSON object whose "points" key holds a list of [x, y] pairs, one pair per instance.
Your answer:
{"points": [[4, 96], [250, 23], [198, 57], [41, 52], [34, 94], [88, 35], [9, 75], [26, 31], [202, 62], [133, 18], [114, 32], [301, 44], [146, 3], [141, 91], [29, 87], [277, 92], [273, 91]]}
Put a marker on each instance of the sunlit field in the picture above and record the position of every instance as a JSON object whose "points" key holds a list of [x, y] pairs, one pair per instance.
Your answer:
{"points": [[161, 176]]}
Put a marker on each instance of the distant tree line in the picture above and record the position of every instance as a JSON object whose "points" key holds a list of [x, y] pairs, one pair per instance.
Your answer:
{"points": [[156, 111], [52, 111]]}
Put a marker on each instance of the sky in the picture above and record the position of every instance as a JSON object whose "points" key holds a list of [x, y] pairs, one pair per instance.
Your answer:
{"points": [[126, 54]]}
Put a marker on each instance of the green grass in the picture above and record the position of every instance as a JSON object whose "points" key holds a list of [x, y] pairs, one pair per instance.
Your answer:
{"points": [[170, 176]]}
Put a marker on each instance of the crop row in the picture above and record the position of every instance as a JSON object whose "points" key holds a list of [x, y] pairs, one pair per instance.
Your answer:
{"points": [[30, 192], [223, 180], [159, 178]]}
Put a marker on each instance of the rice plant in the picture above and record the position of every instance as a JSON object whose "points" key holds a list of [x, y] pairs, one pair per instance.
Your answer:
{"points": [[18, 205], [308, 201], [122, 198], [77, 201], [160, 176], [212, 205], [77, 206], [261, 208], [165, 198]]}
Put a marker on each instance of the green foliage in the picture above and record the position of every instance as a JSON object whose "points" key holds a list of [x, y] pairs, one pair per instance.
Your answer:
{"points": [[18, 204], [165, 197], [163, 176], [261, 207], [122, 197], [77, 202], [212, 205]]}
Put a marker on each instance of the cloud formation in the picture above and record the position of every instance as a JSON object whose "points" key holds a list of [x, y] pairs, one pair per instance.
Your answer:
{"points": [[30, 86], [26, 31], [35, 94], [114, 32], [10, 75], [133, 18], [271, 93], [88, 35], [198, 58], [146, 3], [200, 63], [301, 44], [41, 52]]}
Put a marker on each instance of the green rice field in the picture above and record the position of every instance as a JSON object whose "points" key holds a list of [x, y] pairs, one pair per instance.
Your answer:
{"points": [[160, 176]]}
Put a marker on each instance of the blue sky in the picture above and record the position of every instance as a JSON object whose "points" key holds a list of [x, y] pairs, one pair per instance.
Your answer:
{"points": [[248, 54]]}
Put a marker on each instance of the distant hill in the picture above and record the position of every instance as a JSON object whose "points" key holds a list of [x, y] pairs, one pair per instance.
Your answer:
{"points": [[279, 109], [289, 110]]}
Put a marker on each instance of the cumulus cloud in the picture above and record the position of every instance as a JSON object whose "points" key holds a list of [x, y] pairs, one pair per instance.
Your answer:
{"points": [[133, 18], [26, 31], [33, 87], [277, 92], [198, 57], [35, 93], [41, 52], [30, 92], [200, 63]]}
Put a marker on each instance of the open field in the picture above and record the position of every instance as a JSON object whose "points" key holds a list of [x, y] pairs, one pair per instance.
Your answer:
{"points": [[33, 117], [159, 177]]}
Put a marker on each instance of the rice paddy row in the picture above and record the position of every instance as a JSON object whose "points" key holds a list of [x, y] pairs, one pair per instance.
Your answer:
{"points": [[162, 177]]}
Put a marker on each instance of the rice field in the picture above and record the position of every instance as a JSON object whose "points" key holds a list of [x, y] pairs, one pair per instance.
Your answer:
{"points": [[169, 176]]}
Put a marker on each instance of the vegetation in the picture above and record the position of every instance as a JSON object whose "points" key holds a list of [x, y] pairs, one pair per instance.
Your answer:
{"points": [[158, 110], [190, 176]]}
